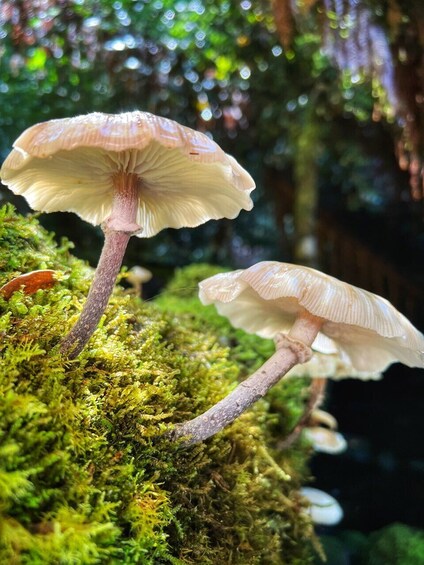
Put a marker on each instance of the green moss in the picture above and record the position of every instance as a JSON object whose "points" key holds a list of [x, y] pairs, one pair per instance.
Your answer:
{"points": [[396, 544], [181, 297], [87, 474]]}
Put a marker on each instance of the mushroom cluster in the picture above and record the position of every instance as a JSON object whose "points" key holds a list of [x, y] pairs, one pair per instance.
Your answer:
{"points": [[135, 174], [321, 430], [302, 309]]}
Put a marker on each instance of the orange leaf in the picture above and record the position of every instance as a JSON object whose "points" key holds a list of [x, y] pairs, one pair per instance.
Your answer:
{"points": [[29, 282]]}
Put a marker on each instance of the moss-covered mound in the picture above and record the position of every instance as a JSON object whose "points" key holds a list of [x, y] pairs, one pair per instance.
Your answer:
{"points": [[397, 544], [87, 474], [181, 297]]}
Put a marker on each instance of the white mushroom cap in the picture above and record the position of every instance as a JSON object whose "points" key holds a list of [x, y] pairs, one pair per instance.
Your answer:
{"points": [[324, 509], [138, 275], [266, 298], [325, 440], [322, 418], [186, 179]]}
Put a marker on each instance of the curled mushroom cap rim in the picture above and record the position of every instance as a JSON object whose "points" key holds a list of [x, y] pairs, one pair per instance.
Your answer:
{"points": [[334, 365], [186, 179]]}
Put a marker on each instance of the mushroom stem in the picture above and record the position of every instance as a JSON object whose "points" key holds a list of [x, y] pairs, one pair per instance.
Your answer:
{"points": [[317, 390], [118, 229], [290, 350]]}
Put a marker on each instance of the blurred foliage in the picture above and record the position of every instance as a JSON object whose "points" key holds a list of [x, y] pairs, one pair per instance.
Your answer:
{"points": [[396, 544], [379, 41], [87, 472]]}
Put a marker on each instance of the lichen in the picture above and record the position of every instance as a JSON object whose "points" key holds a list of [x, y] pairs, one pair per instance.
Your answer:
{"points": [[88, 473]]}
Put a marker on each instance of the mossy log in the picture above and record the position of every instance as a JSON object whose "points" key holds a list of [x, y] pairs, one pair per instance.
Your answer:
{"points": [[87, 472]]}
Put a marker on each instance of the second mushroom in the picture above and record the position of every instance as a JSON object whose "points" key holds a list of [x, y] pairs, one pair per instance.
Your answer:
{"points": [[135, 174], [300, 308]]}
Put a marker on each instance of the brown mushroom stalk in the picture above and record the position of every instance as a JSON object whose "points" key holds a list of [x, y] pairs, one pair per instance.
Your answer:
{"points": [[118, 228], [317, 391], [291, 349]]}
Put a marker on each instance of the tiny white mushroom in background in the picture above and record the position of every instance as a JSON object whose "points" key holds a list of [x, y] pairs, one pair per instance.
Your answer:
{"points": [[312, 424], [137, 276], [327, 363], [324, 440], [322, 366], [320, 417], [324, 509], [297, 306], [316, 397], [135, 174]]}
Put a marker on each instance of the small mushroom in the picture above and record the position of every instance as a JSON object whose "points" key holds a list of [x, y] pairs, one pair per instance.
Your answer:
{"points": [[295, 305], [135, 174], [323, 508], [321, 418], [324, 440], [137, 276], [319, 368]]}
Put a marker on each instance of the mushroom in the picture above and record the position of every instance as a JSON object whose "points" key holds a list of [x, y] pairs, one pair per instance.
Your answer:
{"points": [[323, 508], [322, 418], [322, 366], [324, 440], [135, 174], [319, 368], [297, 306], [269, 297], [316, 397], [136, 276]]}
